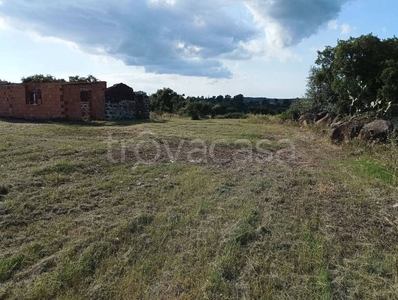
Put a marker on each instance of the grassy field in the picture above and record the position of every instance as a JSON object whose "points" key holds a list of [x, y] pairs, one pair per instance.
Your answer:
{"points": [[181, 209]]}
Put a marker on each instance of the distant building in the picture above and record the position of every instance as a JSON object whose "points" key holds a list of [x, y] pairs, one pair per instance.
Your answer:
{"points": [[74, 101]]}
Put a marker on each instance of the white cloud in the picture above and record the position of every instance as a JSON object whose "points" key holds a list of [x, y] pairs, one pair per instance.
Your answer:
{"points": [[162, 2], [333, 25], [3, 23], [346, 29], [39, 38], [186, 37]]}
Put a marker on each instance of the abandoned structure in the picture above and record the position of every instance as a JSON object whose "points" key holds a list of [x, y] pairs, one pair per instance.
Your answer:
{"points": [[74, 101], [53, 100], [121, 102]]}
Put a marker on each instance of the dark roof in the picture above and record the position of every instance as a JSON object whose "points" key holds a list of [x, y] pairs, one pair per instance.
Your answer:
{"points": [[119, 92]]}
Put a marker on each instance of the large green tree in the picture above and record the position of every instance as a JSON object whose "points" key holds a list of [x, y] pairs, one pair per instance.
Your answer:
{"points": [[167, 101], [198, 109], [355, 76], [238, 103]]}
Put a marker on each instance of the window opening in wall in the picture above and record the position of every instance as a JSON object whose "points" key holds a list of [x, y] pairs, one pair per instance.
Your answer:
{"points": [[34, 97], [85, 98], [85, 95]]}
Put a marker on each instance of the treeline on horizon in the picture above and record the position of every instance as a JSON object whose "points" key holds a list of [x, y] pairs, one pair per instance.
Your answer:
{"points": [[168, 101]]}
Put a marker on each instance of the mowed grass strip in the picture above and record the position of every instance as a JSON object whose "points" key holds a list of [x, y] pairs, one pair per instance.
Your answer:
{"points": [[318, 223]]}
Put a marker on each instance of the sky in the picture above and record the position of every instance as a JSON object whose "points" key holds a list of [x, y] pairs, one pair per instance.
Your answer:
{"points": [[258, 48]]}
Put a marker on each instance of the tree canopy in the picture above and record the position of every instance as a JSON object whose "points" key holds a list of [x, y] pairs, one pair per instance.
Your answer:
{"points": [[357, 75], [166, 101], [41, 78], [77, 78], [4, 81], [49, 78]]}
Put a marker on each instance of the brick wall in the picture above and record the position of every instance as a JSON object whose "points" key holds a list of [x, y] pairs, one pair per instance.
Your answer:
{"points": [[17, 97], [58, 100], [73, 103], [10, 96], [98, 101]]}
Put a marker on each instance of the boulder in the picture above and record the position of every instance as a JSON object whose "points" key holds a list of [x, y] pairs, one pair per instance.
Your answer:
{"points": [[335, 124], [307, 119], [346, 131], [320, 116], [336, 119], [377, 130], [324, 121]]}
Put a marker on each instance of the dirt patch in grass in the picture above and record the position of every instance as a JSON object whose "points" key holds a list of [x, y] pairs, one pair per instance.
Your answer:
{"points": [[219, 154]]}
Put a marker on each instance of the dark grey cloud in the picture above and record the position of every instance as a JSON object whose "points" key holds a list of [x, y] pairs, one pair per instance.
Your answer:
{"points": [[288, 22], [183, 37]]}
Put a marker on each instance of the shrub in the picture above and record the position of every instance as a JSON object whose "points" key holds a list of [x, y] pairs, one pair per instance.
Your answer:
{"points": [[285, 116], [300, 106]]}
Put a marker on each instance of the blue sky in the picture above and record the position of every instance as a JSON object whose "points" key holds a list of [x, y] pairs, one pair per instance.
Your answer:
{"points": [[207, 47]]}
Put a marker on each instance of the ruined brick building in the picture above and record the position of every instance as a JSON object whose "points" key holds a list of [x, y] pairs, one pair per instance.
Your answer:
{"points": [[121, 102], [74, 101]]}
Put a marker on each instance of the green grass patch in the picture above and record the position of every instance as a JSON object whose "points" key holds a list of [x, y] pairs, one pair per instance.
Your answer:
{"points": [[371, 168], [8, 265], [62, 168]]}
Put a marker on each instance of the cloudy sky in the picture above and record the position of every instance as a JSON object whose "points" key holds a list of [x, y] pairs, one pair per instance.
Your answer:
{"points": [[196, 47]]}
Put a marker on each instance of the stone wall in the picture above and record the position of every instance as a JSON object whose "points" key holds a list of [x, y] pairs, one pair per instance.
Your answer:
{"points": [[142, 106], [119, 110], [86, 111], [121, 102]]}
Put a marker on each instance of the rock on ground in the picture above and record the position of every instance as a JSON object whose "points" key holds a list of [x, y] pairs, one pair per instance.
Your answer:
{"points": [[346, 131], [324, 121], [377, 130], [307, 119]]}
